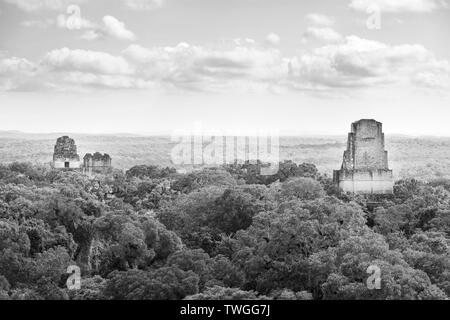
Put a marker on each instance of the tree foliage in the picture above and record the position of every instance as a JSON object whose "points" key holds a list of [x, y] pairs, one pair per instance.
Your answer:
{"points": [[218, 233]]}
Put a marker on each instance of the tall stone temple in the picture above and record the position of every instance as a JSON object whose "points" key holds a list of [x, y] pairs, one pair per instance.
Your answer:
{"points": [[365, 167], [65, 154]]}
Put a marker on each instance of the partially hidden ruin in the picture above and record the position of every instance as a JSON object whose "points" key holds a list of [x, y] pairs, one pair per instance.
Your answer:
{"points": [[365, 167], [65, 156], [96, 163]]}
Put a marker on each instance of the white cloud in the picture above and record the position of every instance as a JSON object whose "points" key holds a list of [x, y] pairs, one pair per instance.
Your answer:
{"points": [[91, 35], [13, 65], [144, 4], [139, 54], [349, 64], [41, 24], [353, 62], [203, 68], [111, 27], [245, 67], [14, 72], [88, 61], [65, 69], [273, 39], [117, 29], [319, 20], [433, 79], [33, 5], [322, 34], [104, 80], [399, 5], [360, 63]]}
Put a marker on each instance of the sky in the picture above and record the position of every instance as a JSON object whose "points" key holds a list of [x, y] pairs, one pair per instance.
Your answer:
{"points": [[232, 66]]}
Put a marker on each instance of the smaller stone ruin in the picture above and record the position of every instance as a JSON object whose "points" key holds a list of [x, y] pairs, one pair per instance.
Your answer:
{"points": [[96, 163], [65, 154]]}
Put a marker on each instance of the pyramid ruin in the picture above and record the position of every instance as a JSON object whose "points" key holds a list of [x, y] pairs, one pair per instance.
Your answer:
{"points": [[365, 167]]}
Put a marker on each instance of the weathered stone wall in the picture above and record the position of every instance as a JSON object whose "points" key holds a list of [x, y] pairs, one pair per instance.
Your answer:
{"points": [[365, 181], [96, 163], [61, 164], [365, 162], [369, 145], [65, 154]]}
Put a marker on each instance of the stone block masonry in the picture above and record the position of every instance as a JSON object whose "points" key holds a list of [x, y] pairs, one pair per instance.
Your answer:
{"points": [[365, 167], [96, 163], [65, 154]]}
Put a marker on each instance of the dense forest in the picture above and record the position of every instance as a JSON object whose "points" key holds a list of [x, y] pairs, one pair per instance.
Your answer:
{"points": [[218, 233]]}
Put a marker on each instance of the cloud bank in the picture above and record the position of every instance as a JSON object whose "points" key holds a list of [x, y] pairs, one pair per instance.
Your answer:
{"points": [[341, 62]]}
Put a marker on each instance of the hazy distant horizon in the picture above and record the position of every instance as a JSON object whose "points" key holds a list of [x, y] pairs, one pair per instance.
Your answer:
{"points": [[168, 134]]}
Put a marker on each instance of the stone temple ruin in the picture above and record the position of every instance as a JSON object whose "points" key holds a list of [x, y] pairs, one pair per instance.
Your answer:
{"points": [[365, 166], [65, 154], [96, 163], [65, 157]]}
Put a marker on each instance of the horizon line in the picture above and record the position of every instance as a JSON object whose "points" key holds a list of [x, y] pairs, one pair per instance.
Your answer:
{"points": [[164, 134]]}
